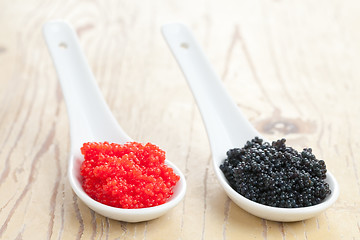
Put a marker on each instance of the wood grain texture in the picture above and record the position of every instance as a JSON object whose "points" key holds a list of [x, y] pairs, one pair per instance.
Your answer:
{"points": [[291, 66]]}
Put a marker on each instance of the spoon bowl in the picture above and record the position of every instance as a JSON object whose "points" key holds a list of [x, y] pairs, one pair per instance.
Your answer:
{"points": [[92, 121], [121, 214], [226, 126]]}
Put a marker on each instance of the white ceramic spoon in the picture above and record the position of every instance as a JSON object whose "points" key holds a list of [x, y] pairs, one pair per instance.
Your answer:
{"points": [[91, 120], [226, 126]]}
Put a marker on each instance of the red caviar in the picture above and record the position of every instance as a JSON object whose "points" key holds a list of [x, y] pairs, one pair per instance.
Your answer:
{"points": [[130, 175]]}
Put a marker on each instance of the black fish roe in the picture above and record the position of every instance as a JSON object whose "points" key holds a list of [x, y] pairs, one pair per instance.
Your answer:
{"points": [[276, 175]]}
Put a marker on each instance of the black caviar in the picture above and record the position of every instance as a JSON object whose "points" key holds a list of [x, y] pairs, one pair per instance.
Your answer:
{"points": [[276, 175]]}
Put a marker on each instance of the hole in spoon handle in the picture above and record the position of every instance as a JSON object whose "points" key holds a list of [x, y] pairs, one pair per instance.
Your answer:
{"points": [[184, 45], [63, 45]]}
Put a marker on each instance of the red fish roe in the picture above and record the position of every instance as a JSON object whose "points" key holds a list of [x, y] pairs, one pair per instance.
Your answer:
{"points": [[130, 175]]}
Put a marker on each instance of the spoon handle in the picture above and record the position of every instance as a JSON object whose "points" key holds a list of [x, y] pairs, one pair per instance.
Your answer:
{"points": [[90, 117], [225, 124]]}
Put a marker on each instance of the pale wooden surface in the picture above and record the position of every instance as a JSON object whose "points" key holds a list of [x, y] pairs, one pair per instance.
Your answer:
{"points": [[292, 67]]}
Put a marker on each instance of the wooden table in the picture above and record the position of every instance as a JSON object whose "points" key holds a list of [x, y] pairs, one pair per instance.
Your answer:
{"points": [[291, 66]]}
